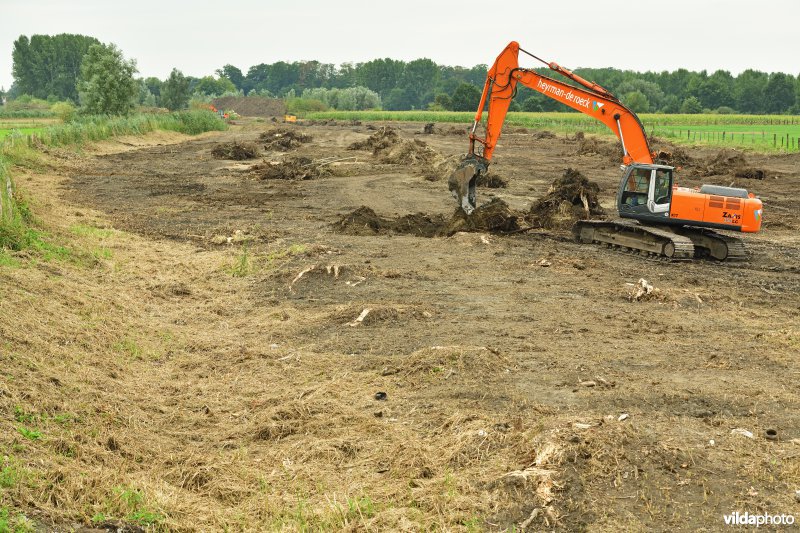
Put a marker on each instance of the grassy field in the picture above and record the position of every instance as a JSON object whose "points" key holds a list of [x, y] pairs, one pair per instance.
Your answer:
{"points": [[24, 126], [766, 133]]}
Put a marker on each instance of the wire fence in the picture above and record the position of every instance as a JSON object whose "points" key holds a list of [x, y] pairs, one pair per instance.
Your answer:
{"points": [[777, 141]]}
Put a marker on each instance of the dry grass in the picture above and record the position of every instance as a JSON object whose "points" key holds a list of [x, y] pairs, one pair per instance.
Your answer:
{"points": [[136, 390], [146, 382]]}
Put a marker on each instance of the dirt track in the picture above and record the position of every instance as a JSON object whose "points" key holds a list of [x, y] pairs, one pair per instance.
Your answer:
{"points": [[507, 361]]}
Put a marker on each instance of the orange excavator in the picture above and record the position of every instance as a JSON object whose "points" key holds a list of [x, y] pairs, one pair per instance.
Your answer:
{"points": [[659, 218]]}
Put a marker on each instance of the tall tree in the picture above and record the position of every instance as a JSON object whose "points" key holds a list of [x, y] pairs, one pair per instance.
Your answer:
{"points": [[257, 77], [466, 98], [106, 84], [675, 83], [779, 93], [233, 74], [380, 75], [49, 66], [651, 91], [175, 91], [717, 90], [209, 86], [154, 85], [637, 101], [419, 80], [749, 91]]}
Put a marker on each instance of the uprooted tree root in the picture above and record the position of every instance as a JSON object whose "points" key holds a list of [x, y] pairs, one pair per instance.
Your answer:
{"points": [[571, 197], [283, 139], [364, 221], [494, 216], [391, 149], [235, 150], [291, 168], [731, 162], [378, 141], [410, 153], [594, 146], [675, 156], [491, 181]]}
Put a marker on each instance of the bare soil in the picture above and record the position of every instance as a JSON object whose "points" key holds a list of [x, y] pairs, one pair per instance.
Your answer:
{"points": [[267, 354]]}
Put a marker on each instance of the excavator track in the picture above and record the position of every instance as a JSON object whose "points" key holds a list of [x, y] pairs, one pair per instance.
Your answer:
{"points": [[630, 236], [715, 245], [674, 244]]}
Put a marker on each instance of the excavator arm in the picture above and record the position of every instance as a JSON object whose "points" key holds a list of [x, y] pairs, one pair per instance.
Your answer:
{"points": [[500, 87]]}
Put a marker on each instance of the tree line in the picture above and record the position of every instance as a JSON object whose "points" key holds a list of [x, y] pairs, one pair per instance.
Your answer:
{"points": [[56, 68]]}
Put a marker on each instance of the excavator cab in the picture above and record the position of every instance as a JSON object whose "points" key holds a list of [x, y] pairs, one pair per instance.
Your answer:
{"points": [[645, 192]]}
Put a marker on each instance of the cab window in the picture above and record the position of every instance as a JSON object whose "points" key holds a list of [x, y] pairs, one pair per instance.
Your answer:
{"points": [[663, 186]]}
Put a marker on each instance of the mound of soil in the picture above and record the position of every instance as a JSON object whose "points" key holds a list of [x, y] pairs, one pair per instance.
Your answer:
{"points": [[283, 139], [364, 221], [394, 150], [592, 146], [252, 106], [235, 150], [494, 216], [382, 139], [491, 181], [751, 174], [410, 153], [544, 134], [731, 162], [571, 197], [676, 157], [291, 168], [441, 167]]}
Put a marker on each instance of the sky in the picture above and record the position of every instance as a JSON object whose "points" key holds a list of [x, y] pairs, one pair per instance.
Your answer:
{"points": [[201, 36]]}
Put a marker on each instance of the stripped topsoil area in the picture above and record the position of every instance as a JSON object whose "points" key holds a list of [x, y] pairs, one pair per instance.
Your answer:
{"points": [[343, 352]]}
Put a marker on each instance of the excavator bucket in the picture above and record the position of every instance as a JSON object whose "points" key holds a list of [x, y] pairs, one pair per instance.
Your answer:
{"points": [[463, 180]]}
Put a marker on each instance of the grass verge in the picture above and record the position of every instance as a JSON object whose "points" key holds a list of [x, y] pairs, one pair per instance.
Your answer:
{"points": [[18, 229]]}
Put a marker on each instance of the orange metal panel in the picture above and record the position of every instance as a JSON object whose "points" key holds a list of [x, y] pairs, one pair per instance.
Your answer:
{"points": [[739, 214], [687, 204], [751, 215]]}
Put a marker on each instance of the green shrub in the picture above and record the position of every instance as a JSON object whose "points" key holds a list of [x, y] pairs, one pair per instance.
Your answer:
{"points": [[14, 214], [106, 83], [27, 102], [63, 110]]}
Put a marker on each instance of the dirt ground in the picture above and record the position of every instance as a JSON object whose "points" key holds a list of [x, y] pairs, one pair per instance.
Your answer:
{"points": [[240, 358]]}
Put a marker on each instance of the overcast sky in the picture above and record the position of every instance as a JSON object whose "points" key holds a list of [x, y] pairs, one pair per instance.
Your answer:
{"points": [[200, 36]]}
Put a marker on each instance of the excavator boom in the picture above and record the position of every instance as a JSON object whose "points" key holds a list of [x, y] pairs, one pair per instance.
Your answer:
{"points": [[498, 90], [591, 99]]}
